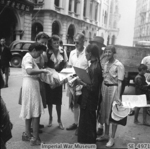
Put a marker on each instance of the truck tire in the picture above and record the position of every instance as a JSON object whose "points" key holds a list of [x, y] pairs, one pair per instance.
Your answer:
{"points": [[16, 61]]}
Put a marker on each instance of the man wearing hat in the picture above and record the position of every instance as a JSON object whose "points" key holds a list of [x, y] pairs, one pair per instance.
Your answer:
{"points": [[99, 41]]}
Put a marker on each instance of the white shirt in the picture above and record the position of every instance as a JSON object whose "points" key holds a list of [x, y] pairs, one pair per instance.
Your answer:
{"points": [[78, 60]]}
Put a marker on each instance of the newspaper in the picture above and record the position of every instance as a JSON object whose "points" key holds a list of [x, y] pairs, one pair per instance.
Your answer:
{"points": [[132, 101]]}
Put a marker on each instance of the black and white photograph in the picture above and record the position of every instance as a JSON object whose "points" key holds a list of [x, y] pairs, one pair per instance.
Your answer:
{"points": [[75, 74]]}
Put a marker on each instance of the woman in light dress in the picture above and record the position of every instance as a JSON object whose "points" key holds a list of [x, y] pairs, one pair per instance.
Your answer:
{"points": [[32, 106], [111, 91]]}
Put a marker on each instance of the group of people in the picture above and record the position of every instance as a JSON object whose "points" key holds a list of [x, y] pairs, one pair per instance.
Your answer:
{"points": [[106, 74], [91, 103]]}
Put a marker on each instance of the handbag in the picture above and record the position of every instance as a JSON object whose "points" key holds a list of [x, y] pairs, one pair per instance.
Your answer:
{"points": [[20, 97]]}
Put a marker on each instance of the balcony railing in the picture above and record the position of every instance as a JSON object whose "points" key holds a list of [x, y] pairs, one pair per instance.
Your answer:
{"points": [[38, 5]]}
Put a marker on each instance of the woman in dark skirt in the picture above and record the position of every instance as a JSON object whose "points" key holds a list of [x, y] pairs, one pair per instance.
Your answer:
{"points": [[89, 101], [56, 59]]}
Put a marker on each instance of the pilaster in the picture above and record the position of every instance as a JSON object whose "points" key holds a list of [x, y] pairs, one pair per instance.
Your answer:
{"points": [[27, 27], [47, 25]]}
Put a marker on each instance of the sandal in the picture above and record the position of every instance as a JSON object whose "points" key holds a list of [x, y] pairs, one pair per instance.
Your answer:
{"points": [[50, 122], [34, 141], [25, 137], [61, 126], [103, 138]]}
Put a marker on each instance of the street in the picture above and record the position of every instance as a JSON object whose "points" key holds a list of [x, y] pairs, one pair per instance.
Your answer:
{"points": [[130, 133]]}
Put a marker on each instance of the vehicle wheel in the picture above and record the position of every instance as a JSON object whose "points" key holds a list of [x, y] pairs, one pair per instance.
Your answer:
{"points": [[148, 111], [16, 61]]}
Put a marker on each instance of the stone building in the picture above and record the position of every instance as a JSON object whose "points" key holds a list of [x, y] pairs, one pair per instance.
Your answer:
{"points": [[15, 19], [62, 17], [142, 21]]}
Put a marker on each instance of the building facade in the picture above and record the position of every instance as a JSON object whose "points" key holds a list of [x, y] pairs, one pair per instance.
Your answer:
{"points": [[64, 18], [142, 21], [15, 19]]}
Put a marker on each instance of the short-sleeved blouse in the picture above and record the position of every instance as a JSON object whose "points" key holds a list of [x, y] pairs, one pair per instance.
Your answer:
{"points": [[114, 72], [28, 62]]}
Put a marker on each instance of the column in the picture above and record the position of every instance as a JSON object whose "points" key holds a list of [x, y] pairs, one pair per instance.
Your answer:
{"points": [[87, 9], [78, 7], [66, 7], [27, 27], [64, 32], [93, 10], [49, 4], [81, 9], [47, 25], [72, 5]]}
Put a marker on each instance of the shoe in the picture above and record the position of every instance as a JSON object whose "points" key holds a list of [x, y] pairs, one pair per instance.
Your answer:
{"points": [[111, 142], [132, 113], [103, 138], [34, 142], [146, 124], [25, 137], [100, 131], [76, 132], [72, 127], [61, 126], [136, 122], [6, 86], [41, 126], [31, 130], [50, 122]]}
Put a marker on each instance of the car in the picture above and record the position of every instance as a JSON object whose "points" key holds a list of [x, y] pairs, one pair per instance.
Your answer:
{"points": [[18, 49]]}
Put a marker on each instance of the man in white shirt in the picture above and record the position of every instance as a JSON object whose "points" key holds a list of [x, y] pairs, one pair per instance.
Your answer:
{"points": [[146, 61], [77, 58]]}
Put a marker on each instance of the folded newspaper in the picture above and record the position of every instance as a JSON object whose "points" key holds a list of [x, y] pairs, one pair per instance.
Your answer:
{"points": [[132, 101], [54, 79]]}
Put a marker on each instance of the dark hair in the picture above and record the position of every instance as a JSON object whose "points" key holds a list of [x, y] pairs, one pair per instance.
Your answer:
{"points": [[93, 48], [61, 42], [37, 47], [55, 38], [111, 47], [41, 35], [142, 67], [51, 39]]}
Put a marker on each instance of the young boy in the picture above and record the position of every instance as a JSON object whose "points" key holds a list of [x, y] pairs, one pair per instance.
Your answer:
{"points": [[141, 87]]}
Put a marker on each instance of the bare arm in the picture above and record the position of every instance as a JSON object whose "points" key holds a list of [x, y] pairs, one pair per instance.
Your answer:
{"points": [[119, 90], [31, 71]]}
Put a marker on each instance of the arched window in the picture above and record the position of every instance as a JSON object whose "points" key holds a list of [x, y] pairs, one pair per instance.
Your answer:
{"points": [[105, 17]]}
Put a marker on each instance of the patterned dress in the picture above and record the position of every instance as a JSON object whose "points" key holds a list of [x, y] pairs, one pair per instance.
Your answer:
{"points": [[111, 75], [32, 105]]}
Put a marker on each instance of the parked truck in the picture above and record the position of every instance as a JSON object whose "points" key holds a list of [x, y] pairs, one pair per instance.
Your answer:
{"points": [[131, 58]]}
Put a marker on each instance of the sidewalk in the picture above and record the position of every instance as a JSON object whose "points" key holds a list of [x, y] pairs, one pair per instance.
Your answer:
{"points": [[131, 133]]}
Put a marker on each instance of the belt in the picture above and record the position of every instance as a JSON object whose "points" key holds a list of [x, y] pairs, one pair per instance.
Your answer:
{"points": [[111, 84]]}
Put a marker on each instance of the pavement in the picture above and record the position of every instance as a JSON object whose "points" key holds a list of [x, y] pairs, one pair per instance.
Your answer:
{"points": [[130, 133]]}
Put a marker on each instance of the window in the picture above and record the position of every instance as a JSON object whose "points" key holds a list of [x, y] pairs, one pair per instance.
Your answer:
{"points": [[75, 6], [26, 46], [115, 24], [105, 17], [70, 2], [84, 11], [57, 3], [96, 12]]}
